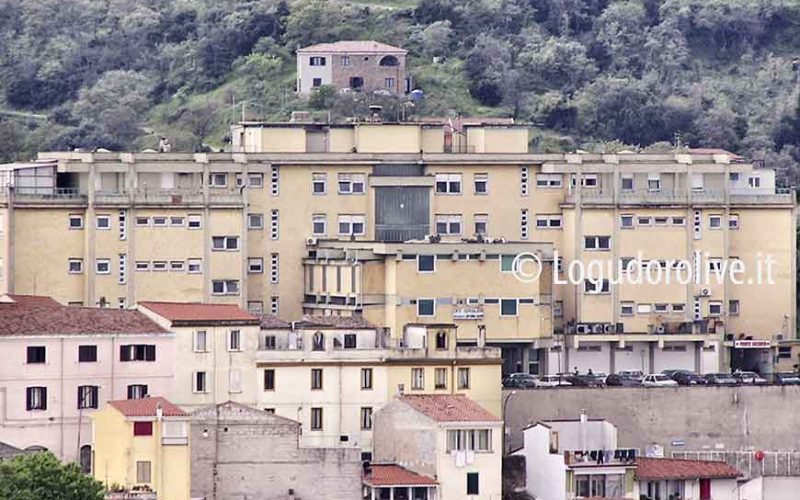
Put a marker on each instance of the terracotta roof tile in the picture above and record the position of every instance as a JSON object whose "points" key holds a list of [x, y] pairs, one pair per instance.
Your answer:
{"points": [[146, 407], [354, 46], [394, 475], [199, 313], [272, 322], [20, 319], [30, 300], [449, 407], [671, 468], [356, 322]]}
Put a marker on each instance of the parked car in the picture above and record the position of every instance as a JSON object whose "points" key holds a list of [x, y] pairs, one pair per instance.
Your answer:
{"points": [[748, 377], [689, 378], [582, 380], [617, 380], [552, 381], [599, 377], [637, 374], [519, 381], [721, 379], [789, 378], [658, 380], [672, 372]]}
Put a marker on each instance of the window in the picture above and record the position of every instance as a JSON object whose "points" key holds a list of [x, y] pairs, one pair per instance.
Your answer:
{"points": [[472, 483], [345, 60], [553, 181], [643, 221], [441, 340], [469, 440], [142, 221], [366, 378], [448, 224], [784, 352], [159, 221], [75, 221], [319, 183], [225, 243], [36, 398], [626, 183], [137, 352], [200, 341], [733, 221], [143, 428], [88, 396], [654, 182], [316, 82], [679, 221], [426, 307], [225, 287], [678, 308], [597, 242], [366, 418], [316, 419], [626, 221], [103, 266], [176, 221], [754, 182], [733, 307], [274, 271], [217, 179], [269, 343], [463, 378], [87, 354], [481, 224], [715, 221], [194, 266], [660, 308], [389, 82], [548, 221], [715, 308], [103, 222], [36, 355], [194, 221], [558, 308], [448, 183], [440, 378], [316, 61], [269, 379], [274, 180], [587, 180], [159, 265], [142, 472], [255, 180], [352, 225], [508, 307], [351, 183], [75, 266], [137, 391], [593, 287], [177, 266], [418, 378], [734, 176], [316, 379], [255, 221], [255, 265], [626, 309], [199, 382], [235, 340], [350, 341], [481, 182], [660, 221], [426, 263], [319, 224], [715, 265]]}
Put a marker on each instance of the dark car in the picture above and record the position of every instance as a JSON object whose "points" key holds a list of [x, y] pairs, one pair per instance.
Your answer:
{"points": [[582, 380], [671, 373], [519, 381], [789, 378], [615, 379], [720, 379], [688, 378]]}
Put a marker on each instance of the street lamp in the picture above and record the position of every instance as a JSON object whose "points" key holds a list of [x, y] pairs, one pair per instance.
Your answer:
{"points": [[503, 416]]}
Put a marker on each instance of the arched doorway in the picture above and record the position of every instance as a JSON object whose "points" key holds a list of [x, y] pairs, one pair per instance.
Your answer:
{"points": [[85, 459]]}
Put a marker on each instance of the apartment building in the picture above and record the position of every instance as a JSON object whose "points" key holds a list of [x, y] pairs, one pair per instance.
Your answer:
{"points": [[352, 64], [332, 373], [61, 364], [243, 228]]}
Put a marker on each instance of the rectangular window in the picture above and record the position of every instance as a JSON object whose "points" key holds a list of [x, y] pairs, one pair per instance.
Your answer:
{"points": [[177, 266], [440, 378], [159, 221], [159, 265], [194, 266], [643, 221], [508, 307], [418, 378], [255, 265], [448, 183], [269, 343], [88, 396], [255, 221], [274, 180], [199, 382], [274, 305], [626, 183], [194, 221], [426, 263], [733, 221], [553, 181], [225, 243], [715, 308], [426, 308], [316, 419], [103, 266], [255, 180], [448, 224], [177, 221], [481, 182], [75, 266], [269, 379], [472, 483], [626, 308], [548, 221], [660, 221], [137, 391], [137, 352], [715, 221], [235, 340], [366, 418], [274, 269], [733, 307], [122, 269], [350, 341], [217, 179], [142, 221], [654, 182], [274, 224], [143, 472], [597, 242], [75, 221], [316, 61], [351, 183], [319, 224], [87, 354], [524, 180], [316, 379], [463, 378], [225, 287], [678, 308], [366, 378], [345, 60], [36, 398], [754, 182], [481, 224], [143, 428], [316, 82], [352, 225], [626, 221], [103, 222], [319, 183], [593, 287], [660, 308], [679, 221], [388, 82], [36, 354], [200, 341]]}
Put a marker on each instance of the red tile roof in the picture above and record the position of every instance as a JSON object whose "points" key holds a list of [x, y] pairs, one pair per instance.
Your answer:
{"points": [[21, 319], [449, 407], [671, 468], [194, 313], [354, 47], [31, 300], [355, 322], [394, 475], [146, 407], [272, 322]]}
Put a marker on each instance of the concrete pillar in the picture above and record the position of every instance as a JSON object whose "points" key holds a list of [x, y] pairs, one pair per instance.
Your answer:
{"points": [[698, 347], [652, 362], [611, 358]]}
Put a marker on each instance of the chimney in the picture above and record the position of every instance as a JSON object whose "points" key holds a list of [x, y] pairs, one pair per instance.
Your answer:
{"points": [[481, 335], [159, 412]]}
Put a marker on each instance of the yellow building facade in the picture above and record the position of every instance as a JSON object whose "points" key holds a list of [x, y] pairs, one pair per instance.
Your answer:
{"points": [[142, 445]]}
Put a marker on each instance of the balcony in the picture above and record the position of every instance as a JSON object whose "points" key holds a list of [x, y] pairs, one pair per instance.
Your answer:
{"points": [[781, 196], [50, 196], [168, 197]]}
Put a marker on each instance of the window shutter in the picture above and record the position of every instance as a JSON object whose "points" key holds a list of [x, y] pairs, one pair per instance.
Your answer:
{"points": [[29, 398], [95, 396], [124, 353], [44, 397], [150, 353]]}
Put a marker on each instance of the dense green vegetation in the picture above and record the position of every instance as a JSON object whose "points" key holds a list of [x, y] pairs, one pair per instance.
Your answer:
{"points": [[41, 476], [590, 74]]}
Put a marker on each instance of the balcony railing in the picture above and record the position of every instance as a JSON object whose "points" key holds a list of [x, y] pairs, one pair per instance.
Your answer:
{"points": [[682, 196], [54, 195]]}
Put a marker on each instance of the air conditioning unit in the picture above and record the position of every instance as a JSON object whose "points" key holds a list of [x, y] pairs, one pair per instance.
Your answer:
{"points": [[582, 328], [598, 328], [610, 328], [311, 241], [661, 329], [779, 336], [705, 292]]}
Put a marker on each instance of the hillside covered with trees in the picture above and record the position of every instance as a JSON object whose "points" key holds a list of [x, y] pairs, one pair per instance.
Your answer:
{"points": [[589, 74]]}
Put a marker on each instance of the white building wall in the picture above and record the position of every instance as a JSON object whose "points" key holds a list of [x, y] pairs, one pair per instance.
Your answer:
{"points": [[674, 360], [598, 361], [709, 360], [545, 472], [489, 466], [306, 73], [638, 358]]}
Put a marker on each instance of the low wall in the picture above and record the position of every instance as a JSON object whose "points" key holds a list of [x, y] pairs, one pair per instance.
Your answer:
{"points": [[679, 418]]}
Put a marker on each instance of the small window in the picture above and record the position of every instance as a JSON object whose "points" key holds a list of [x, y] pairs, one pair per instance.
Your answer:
{"points": [[679, 221], [235, 340], [473, 483], [36, 398], [142, 221], [103, 266], [481, 182], [76, 221], [733, 307], [316, 61], [448, 183], [626, 221], [389, 82], [366, 418], [316, 419], [319, 183], [88, 396], [715, 221], [319, 225], [481, 224], [754, 182], [143, 472], [345, 60], [159, 265], [352, 225], [316, 379], [103, 222], [440, 378], [350, 341], [626, 308], [508, 307], [595, 287], [255, 221], [194, 221], [159, 221], [255, 180], [143, 428], [426, 307], [678, 308], [255, 265], [87, 354], [626, 183], [643, 221], [217, 179], [654, 183], [36, 355], [318, 342], [441, 340], [448, 224], [269, 379], [177, 221], [200, 341], [660, 308], [597, 242], [351, 183], [463, 378], [715, 308], [733, 221], [552, 181], [426, 263], [199, 382], [418, 378], [75, 266], [137, 391], [194, 266], [660, 221], [177, 266], [225, 243], [225, 287], [366, 378]]}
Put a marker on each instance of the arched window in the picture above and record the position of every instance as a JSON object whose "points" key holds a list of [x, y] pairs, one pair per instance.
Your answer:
{"points": [[86, 459], [318, 342], [441, 339], [389, 61]]}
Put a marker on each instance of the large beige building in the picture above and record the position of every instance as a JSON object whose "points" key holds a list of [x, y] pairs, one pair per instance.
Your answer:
{"points": [[274, 227]]}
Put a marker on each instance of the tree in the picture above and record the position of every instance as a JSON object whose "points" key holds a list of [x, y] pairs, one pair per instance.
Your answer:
{"points": [[619, 31], [555, 63], [41, 476]]}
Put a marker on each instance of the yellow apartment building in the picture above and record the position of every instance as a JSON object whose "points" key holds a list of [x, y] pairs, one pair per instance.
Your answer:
{"points": [[142, 445], [239, 228]]}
